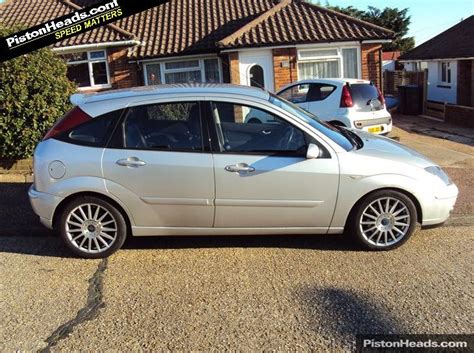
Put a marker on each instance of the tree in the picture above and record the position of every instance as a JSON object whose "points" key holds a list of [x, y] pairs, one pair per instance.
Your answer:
{"points": [[393, 19], [34, 93]]}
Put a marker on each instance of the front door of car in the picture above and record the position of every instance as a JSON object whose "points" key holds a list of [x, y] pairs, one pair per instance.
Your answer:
{"points": [[157, 165], [263, 178]]}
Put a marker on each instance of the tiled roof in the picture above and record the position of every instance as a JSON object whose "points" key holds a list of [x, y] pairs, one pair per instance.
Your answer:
{"points": [[297, 21], [34, 12], [200, 26], [456, 42]]}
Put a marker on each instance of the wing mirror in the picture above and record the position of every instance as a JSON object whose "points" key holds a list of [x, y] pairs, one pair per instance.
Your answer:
{"points": [[313, 151]]}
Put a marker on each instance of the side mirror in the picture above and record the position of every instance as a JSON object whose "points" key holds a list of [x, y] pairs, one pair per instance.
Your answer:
{"points": [[313, 151]]}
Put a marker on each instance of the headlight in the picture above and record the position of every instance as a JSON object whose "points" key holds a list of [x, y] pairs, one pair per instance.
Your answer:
{"points": [[435, 170]]}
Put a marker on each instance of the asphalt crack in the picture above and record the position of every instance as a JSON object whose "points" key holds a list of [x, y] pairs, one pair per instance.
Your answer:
{"points": [[89, 312]]}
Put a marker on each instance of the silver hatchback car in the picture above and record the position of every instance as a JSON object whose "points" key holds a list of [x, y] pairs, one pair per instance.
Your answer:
{"points": [[182, 160]]}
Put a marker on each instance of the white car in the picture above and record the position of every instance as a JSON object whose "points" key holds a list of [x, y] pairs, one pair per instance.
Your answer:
{"points": [[351, 103]]}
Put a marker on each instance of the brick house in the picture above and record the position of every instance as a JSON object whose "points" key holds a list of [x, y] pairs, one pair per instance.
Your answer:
{"points": [[266, 43]]}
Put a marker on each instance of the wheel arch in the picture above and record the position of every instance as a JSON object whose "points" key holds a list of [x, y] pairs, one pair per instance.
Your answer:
{"points": [[416, 202], [70, 198]]}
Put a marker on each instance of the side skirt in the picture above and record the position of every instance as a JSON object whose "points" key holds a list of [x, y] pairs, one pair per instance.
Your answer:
{"points": [[186, 231]]}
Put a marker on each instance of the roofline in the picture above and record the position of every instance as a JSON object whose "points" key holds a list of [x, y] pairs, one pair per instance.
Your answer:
{"points": [[349, 17], [430, 40], [97, 45], [112, 26], [437, 59], [256, 21]]}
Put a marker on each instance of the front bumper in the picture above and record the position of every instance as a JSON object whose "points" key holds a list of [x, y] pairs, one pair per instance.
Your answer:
{"points": [[43, 205], [437, 209]]}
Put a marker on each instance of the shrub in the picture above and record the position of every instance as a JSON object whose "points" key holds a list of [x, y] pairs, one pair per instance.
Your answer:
{"points": [[34, 93]]}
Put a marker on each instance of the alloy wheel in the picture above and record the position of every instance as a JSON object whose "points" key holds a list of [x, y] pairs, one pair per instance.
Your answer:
{"points": [[91, 228], [385, 221]]}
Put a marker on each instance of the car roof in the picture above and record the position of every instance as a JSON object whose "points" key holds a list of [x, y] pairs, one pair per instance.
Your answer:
{"points": [[169, 89], [333, 81]]}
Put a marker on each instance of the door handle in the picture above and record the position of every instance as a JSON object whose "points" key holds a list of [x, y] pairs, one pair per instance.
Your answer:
{"points": [[133, 162], [240, 167]]}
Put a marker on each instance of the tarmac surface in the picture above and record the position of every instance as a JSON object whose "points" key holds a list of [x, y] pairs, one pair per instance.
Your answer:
{"points": [[250, 293]]}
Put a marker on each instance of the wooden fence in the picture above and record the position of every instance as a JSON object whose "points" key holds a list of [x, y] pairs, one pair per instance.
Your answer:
{"points": [[393, 79]]}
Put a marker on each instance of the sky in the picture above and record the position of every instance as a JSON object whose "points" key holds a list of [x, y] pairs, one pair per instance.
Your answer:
{"points": [[428, 17]]}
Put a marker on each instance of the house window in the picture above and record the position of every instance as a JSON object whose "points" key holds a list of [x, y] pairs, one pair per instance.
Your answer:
{"points": [[328, 62], [184, 71], [88, 69], [445, 72]]}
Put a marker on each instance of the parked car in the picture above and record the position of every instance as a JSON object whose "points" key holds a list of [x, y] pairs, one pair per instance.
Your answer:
{"points": [[347, 102], [181, 160]]}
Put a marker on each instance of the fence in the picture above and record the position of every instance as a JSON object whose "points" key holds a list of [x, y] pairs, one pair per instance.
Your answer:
{"points": [[393, 79]]}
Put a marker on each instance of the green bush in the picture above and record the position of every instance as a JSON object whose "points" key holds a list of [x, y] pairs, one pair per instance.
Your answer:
{"points": [[34, 93]]}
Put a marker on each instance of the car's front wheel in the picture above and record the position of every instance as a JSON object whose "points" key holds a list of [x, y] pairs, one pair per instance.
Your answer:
{"points": [[92, 228], [384, 220]]}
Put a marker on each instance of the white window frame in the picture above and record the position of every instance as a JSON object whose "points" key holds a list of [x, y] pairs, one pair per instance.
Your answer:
{"points": [[89, 62], [449, 77], [164, 70], [324, 58]]}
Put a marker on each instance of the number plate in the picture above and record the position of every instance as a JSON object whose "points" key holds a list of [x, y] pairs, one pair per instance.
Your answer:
{"points": [[375, 129]]}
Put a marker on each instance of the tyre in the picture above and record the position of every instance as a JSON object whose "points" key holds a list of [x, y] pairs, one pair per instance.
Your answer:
{"points": [[383, 220], [92, 228]]}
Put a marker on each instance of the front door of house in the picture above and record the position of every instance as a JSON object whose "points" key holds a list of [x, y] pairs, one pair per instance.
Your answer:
{"points": [[256, 69]]}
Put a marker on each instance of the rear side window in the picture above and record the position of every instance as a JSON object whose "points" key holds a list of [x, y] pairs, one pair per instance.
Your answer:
{"points": [[319, 91], [93, 133], [168, 127], [363, 93]]}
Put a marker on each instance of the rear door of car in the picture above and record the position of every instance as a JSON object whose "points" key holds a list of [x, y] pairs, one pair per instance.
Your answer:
{"points": [[159, 164], [323, 100]]}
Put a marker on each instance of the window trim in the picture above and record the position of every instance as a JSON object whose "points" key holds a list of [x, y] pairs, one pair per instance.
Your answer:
{"points": [[90, 61], [326, 58], [164, 71]]}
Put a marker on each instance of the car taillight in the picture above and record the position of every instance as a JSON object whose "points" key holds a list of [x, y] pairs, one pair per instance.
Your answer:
{"points": [[380, 97], [74, 118], [346, 98]]}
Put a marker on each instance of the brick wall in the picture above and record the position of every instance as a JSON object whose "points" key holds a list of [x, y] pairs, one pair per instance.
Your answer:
{"points": [[234, 68], [465, 81], [459, 115], [284, 67], [122, 73], [370, 61]]}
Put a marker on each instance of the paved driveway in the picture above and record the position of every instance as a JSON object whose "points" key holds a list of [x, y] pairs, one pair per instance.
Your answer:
{"points": [[202, 293]]}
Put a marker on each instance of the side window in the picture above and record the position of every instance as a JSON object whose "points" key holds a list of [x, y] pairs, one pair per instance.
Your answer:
{"points": [[296, 94], [238, 133], [319, 91], [94, 133], [168, 127]]}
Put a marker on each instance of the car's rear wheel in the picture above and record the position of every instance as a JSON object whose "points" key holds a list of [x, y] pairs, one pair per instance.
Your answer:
{"points": [[384, 220], [92, 227]]}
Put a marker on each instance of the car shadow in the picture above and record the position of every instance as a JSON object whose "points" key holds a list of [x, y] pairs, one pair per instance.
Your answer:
{"points": [[22, 233], [341, 314]]}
